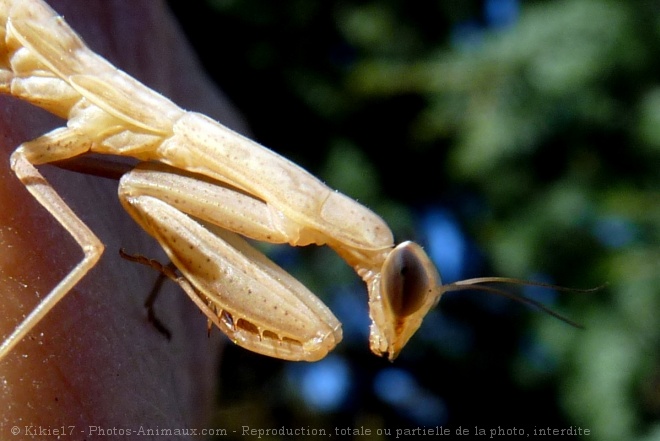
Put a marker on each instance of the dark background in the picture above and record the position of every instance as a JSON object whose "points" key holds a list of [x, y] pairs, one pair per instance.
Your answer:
{"points": [[510, 138]]}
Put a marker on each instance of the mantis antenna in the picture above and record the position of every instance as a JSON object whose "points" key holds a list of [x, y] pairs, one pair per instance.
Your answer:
{"points": [[481, 284]]}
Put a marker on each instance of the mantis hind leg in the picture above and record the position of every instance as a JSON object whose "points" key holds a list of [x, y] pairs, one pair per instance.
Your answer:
{"points": [[90, 244]]}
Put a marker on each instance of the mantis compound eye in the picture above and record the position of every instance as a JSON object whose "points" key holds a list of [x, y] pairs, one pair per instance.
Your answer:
{"points": [[408, 289], [407, 282]]}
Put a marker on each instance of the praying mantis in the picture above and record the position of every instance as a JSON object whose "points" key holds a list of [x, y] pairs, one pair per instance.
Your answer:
{"points": [[198, 188], [193, 166]]}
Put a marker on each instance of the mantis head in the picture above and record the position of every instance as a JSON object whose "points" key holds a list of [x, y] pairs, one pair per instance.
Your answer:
{"points": [[408, 287]]}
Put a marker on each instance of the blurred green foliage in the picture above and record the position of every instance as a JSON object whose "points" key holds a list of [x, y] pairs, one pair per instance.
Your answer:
{"points": [[541, 135]]}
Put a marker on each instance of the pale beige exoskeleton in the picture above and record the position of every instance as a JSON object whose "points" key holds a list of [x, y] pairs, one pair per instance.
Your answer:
{"points": [[200, 184], [199, 187]]}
